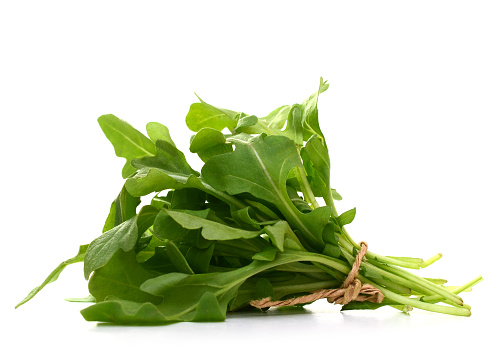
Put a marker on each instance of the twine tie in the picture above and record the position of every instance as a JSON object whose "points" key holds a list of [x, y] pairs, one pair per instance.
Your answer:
{"points": [[351, 290]]}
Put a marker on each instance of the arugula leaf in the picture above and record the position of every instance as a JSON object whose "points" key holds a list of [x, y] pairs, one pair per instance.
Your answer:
{"points": [[260, 166], [125, 313], [127, 141], [122, 208], [347, 217], [210, 230], [123, 236], [209, 142], [53, 276], [248, 226], [203, 115], [121, 277], [157, 131]]}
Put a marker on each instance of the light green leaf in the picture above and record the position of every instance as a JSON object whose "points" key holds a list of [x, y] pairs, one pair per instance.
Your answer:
{"points": [[267, 254], [209, 142], [311, 125], [167, 157], [53, 276], [89, 298], [203, 115], [346, 217], [127, 141], [157, 131]]}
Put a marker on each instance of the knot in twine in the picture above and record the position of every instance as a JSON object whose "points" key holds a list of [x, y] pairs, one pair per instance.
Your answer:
{"points": [[351, 290]]}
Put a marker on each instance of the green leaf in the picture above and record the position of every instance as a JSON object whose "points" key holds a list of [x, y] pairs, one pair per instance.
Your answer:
{"points": [[210, 230], [310, 114], [346, 217], [199, 259], [294, 128], [157, 131], [127, 141], [188, 198], [317, 165], [243, 217], [267, 254], [263, 209], [166, 228], [209, 309], [245, 121], [277, 233], [177, 258], [182, 293], [209, 142], [203, 115], [263, 289], [122, 208], [121, 277], [89, 298], [168, 158], [148, 180], [260, 166], [336, 196], [277, 118], [125, 313], [53, 276], [123, 236]]}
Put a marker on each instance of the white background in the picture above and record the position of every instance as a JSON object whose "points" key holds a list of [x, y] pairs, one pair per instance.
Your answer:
{"points": [[408, 117]]}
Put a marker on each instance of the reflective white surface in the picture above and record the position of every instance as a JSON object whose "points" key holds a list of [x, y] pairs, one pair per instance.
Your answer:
{"points": [[49, 319]]}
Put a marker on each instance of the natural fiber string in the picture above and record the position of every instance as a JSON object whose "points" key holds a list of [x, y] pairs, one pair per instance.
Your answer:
{"points": [[351, 290]]}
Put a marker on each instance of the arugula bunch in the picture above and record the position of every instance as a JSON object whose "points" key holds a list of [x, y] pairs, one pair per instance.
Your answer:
{"points": [[258, 221]]}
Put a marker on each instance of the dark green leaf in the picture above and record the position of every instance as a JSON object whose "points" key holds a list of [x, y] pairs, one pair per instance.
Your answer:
{"points": [[125, 313], [263, 289], [121, 277], [177, 258], [199, 259], [123, 236], [259, 166], [209, 309]]}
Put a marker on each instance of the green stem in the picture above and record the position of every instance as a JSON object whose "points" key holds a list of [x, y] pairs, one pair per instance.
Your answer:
{"points": [[305, 186], [458, 290], [340, 266], [417, 304], [408, 279]]}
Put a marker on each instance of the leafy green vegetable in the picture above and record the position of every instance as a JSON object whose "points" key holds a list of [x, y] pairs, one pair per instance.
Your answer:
{"points": [[257, 220]]}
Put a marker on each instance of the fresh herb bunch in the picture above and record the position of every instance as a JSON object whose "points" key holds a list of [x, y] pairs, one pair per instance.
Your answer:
{"points": [[248, 226]]}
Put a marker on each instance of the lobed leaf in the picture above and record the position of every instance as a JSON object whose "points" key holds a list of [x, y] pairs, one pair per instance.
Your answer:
{"points": [[127, 141]]}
